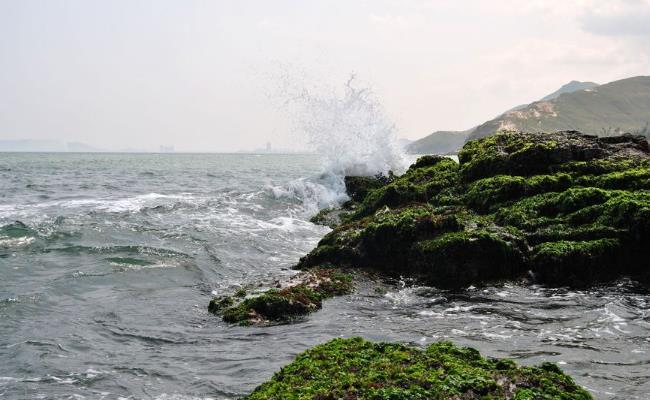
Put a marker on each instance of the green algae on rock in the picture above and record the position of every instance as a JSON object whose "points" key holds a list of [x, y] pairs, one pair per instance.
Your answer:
{"points": [[330, 217], [359, 369], [564, 208], [357, 187], [528, 154], [302, 295]]}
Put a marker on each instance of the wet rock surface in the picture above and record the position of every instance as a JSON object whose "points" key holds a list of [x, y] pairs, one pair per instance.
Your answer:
{"points": [[303, 294], [559, 209]]}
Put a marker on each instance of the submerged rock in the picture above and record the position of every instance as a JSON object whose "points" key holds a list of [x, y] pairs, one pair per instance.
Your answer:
{"points": [[564, 208], [300, 296], [358, 369]]}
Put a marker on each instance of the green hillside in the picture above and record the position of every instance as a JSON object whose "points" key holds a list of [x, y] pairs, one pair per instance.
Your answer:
{"points": [[445, 142], [616, 107]]}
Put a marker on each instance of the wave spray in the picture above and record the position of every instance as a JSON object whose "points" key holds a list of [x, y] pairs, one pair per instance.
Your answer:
{"points": [[352, 134], [349, 130]]}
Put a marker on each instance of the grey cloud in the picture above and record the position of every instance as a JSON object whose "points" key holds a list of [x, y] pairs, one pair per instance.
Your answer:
{"points": [[633, 21]]}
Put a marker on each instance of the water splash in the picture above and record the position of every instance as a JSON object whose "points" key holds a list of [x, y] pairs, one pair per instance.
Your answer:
{"points": [[350, 131], [315, 193]]}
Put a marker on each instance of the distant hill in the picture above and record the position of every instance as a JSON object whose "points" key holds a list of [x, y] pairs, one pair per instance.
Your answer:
{"points": [[619, 106], [440, 142], [604, 110], [570, 87], [444, 142]]}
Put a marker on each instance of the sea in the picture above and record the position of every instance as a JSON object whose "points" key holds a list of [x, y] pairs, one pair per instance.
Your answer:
{"points": [[108, 262]]}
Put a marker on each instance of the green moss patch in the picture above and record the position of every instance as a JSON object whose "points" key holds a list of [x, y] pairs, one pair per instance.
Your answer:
{"points": [[358, 187], [359, 369], [462, 258], [572, 262], [419, 184]]}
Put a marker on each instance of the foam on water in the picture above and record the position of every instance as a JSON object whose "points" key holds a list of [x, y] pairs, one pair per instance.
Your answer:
{"points": [[315, 193], [7, 242]]}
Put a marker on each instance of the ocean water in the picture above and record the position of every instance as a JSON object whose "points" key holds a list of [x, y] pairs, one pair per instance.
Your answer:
{"points": [[108, 262]]}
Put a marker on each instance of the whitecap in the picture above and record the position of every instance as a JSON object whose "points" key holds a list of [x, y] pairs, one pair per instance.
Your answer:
{"points": [[8, 242], [125, 266]]}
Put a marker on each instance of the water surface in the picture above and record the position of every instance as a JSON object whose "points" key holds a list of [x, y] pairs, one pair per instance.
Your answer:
{"points": [[108, 262]]}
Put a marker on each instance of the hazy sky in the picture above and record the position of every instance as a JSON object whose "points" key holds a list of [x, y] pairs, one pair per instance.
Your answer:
{"points": [[201, 75]]}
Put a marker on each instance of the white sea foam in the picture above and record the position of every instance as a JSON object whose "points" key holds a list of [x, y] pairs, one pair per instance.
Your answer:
{"points": [[129, 204], [8, 242], [126, 266], [111, 205], [317, 193]]}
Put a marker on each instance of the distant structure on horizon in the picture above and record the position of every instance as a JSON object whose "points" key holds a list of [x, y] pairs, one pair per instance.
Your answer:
{"points": [[269, 149], [166, 149]]}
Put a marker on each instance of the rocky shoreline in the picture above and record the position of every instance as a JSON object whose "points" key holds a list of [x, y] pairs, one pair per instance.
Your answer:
{"points": [[557, 209], [561, 209]]}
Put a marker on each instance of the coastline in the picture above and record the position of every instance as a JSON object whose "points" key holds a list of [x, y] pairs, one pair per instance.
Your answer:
{"points": [[384, 216]]}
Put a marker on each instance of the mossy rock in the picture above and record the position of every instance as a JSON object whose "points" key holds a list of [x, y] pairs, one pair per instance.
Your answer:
{"points": [[417, 185], [488, 194], [304, 294], [526, 154], [330, 217], [359, 369], [572, 208], [427, 161], [357, 187], [572, 262], [461, 258]]}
